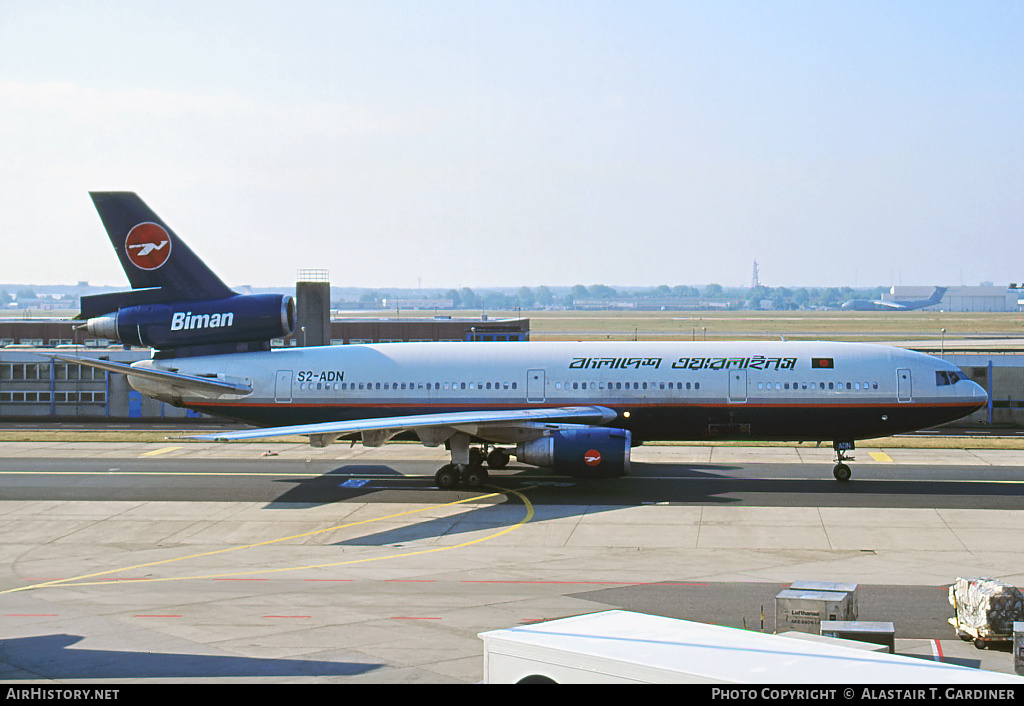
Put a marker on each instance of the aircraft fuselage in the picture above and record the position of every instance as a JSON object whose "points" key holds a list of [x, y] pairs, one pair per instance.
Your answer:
{"points": [[800, 391]]}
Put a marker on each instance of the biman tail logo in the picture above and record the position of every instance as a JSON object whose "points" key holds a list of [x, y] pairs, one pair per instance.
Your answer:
{"points": [[592, 457], [148, 246]]}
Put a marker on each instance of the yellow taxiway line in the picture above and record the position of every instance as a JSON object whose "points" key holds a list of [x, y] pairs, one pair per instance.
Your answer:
{"points": [[81, 580]]}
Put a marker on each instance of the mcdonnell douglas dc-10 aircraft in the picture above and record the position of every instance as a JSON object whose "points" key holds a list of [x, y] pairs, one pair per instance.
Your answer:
{"points": [[576, 408]]}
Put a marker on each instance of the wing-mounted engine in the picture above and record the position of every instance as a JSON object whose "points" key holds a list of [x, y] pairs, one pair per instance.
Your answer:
{"points": [[234, 324], [582, 452]]}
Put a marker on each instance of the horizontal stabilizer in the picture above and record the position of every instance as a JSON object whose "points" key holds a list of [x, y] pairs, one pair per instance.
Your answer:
{"points": [[187, 382], [100, 304]]}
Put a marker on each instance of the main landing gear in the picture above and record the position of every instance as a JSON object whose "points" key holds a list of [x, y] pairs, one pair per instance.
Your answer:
{"points": [[471, 474], [452, 475]]}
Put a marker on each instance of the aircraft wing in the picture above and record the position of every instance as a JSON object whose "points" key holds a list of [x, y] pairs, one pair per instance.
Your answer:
{"points": [[432, 429], [186, 382]]}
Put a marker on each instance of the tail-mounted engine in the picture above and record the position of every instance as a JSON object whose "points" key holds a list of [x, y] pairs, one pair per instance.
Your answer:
{"points": [[202, 326], [177, 305], [583, 452]]}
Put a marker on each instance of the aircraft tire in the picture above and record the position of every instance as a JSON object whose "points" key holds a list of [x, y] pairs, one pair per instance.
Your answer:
{"points": [[842, 472], [498, 458], [475, 477], [447, 477]]}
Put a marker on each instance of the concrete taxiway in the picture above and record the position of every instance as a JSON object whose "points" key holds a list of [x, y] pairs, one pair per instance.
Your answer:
{"points": [[193, 562]]}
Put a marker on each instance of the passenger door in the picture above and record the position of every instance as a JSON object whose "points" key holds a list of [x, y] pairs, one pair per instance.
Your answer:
{"points": [[904, 385], [535, 381], [283, 386], [737, 385]]}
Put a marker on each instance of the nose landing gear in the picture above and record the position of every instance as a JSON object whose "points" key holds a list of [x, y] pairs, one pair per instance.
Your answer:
{"points": [[842, 472]]}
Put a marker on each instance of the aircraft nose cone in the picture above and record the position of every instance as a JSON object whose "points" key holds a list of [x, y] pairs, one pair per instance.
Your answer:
{"points": [[977, 394], [980, 394]]}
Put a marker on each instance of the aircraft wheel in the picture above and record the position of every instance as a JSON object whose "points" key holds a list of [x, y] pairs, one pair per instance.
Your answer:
{"points": [[498, 458], [447, 477], [475, 477], [842, 472]]}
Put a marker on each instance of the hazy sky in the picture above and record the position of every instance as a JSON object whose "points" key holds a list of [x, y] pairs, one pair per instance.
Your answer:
{"points": [[521, 143]]}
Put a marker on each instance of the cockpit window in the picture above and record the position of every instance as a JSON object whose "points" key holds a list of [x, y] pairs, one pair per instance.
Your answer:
{"points": [[948, 377]]}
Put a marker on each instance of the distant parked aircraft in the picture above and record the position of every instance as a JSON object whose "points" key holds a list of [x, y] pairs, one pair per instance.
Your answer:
{"points": [[895, 304]]}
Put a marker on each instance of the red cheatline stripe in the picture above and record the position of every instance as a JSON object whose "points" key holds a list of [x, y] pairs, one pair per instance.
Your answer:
{"points": [[157, 616], [623, 404], [229, 579], [409, 617]]}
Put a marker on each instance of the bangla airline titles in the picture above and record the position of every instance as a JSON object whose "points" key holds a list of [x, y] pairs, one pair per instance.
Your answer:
{"points": [[757, 362]]}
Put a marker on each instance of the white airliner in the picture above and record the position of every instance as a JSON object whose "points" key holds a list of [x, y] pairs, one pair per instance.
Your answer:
{"points": [[576, 408]]}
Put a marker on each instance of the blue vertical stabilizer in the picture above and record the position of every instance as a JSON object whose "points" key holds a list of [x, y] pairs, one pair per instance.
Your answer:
{"points": [[151, 254]]}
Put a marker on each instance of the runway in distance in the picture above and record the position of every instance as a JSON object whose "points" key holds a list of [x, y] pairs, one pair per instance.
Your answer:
{"points": [[574, 407], [894, 304]]}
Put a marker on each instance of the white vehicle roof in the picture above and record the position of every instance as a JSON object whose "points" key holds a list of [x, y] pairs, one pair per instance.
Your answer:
{"points": [[654, 648]]}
